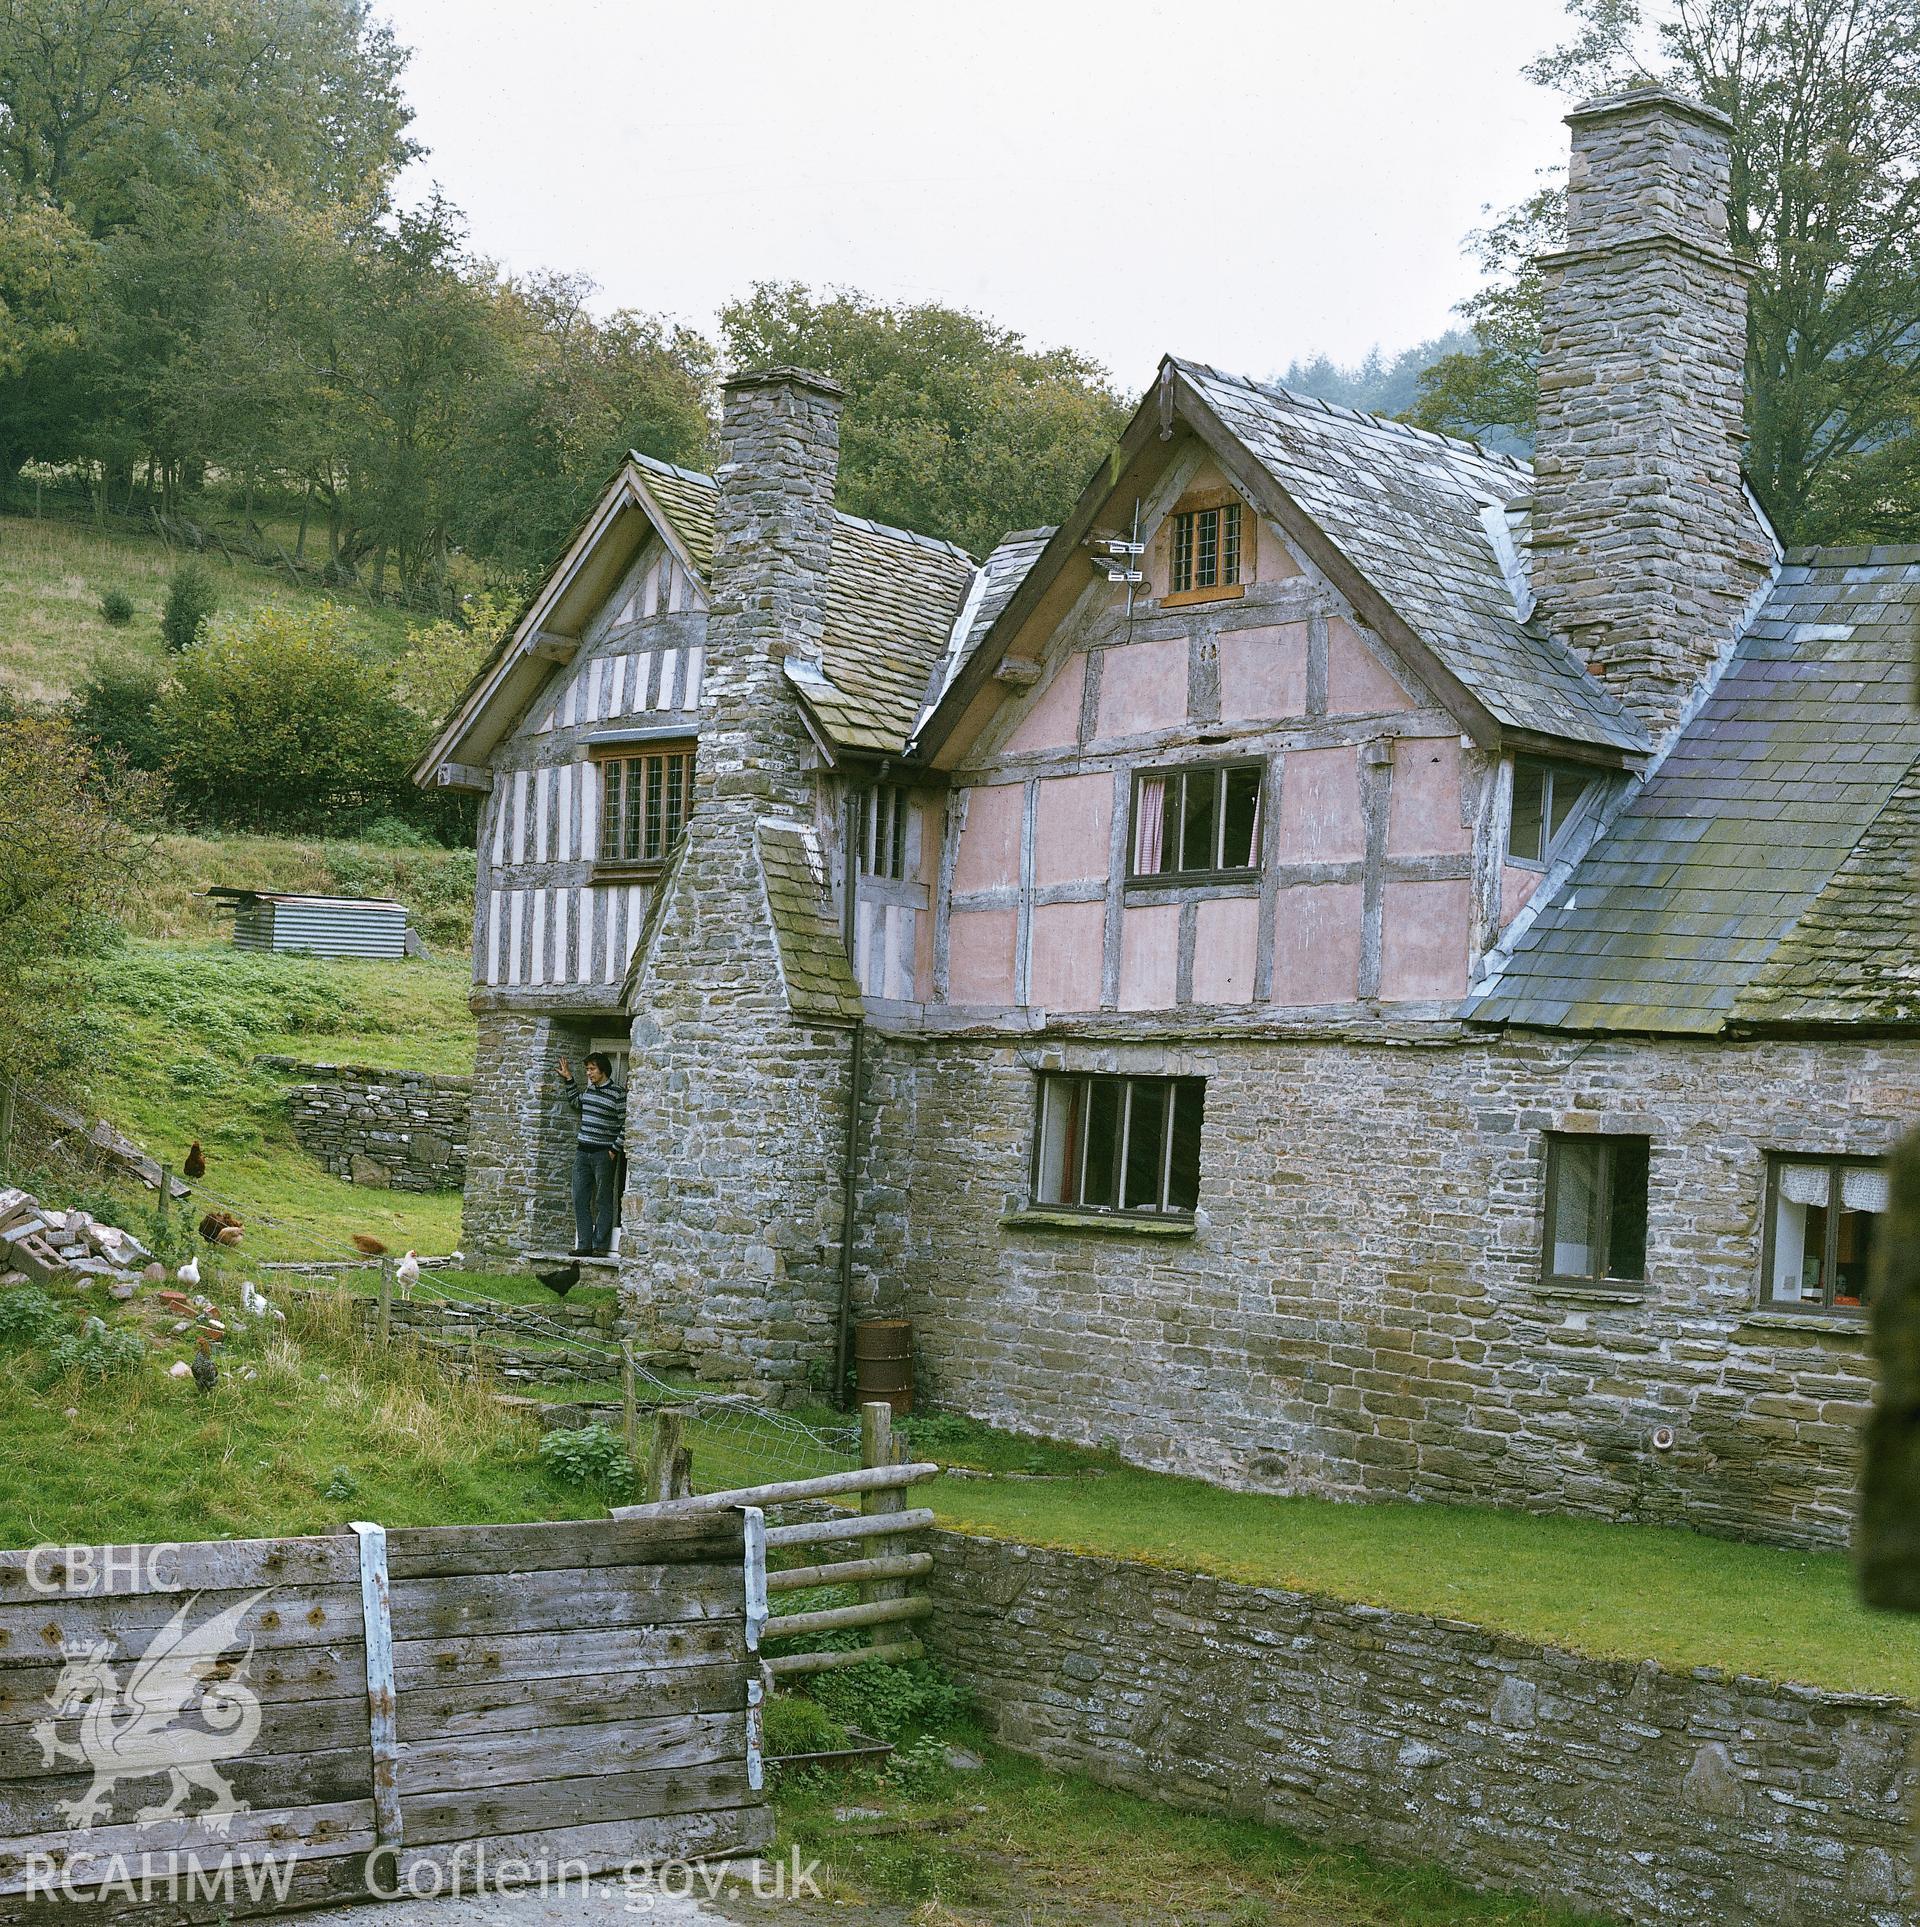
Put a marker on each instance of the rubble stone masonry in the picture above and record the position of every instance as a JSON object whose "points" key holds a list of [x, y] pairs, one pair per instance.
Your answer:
{"points": [[404, 1129], [1610, 1787], [1359, 1309]]}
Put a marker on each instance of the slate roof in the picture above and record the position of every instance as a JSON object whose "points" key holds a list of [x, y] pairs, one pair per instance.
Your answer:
{"points": [[813, 957], [1405, 507], [1762, 874], [997, 577], [892, 600]]}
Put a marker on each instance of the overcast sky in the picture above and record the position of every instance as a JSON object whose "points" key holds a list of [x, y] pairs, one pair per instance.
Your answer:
{"points": [[1235, 181]]}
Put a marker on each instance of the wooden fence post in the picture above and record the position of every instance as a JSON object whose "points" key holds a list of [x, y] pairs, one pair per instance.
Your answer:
{"points": [[6, 1124], [670, 1473], [386, 1302], [877, 1448], [629, 1407]]}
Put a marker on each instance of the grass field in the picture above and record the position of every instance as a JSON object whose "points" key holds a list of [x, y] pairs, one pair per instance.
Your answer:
{"points": [[54, 573]]}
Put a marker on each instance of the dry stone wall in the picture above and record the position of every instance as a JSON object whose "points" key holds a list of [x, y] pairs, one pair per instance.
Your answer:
{"points": [[1624, 1789], [1359, 1309], [406, 1130]]}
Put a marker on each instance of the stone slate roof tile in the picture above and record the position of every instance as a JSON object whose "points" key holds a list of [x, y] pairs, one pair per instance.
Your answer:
{"points": [[1406, 507], [892, 601], [813, 957], [1763, 873]]}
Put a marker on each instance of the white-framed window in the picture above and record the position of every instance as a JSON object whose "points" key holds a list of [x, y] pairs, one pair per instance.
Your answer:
{"points": [[1824, 1219], [1119, 1144]]}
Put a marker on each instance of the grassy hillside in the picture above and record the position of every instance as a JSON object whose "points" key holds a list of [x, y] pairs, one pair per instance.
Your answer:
{"points": [[54, 573]]}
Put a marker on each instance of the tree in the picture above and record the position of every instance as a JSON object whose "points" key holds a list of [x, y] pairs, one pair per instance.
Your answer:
{"points": [[1825, 100], [73, 848], [48, 272], [443, 657], [278, 721], [953, 425]]}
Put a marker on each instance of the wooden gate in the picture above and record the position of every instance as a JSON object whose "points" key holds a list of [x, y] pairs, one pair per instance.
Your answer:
{"points": [[232, 1727]]}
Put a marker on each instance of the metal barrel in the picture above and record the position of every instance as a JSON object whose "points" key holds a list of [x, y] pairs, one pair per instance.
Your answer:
{"points": [[883, 1362]]}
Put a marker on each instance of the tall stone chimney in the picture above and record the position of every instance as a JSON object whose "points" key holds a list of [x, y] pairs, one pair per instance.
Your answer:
{"points": [[1646, 550], [739, 994], [767, 596]]}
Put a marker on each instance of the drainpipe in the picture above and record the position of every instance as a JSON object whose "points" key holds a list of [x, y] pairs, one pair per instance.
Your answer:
{"points": [[856, 1078]]}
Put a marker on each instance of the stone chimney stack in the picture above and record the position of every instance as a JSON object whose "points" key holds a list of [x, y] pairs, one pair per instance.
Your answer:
{"points": [[1646, 550], [773, 535]]}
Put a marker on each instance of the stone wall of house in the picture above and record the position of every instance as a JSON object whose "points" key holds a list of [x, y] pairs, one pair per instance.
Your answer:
{"points": [[404, 1129], [1359, 1309], [1604, 1785]]}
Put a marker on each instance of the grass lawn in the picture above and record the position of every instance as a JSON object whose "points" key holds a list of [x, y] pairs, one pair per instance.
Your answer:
{"points": [[179, 1026], [1620, 1591], [1015, 1843], [54, 573]]}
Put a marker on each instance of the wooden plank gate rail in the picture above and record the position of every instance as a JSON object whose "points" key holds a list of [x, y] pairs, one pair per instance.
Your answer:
{"points": [[236, 1726], [886, 1609]]}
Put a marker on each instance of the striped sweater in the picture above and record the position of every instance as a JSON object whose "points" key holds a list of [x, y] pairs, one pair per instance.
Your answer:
{"points": [[602, 1110]]}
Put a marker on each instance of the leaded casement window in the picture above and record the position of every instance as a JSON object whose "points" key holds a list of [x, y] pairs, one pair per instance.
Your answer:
{"points": [[646, 796], [1201, 821], [880, 815], [1824, 1218], [1205, 551], [1119, 1144], [1596, 1215], [1547, 798]]}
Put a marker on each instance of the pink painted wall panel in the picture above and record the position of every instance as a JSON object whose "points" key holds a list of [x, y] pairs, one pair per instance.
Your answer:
{"points": [[1149, 956], [980, 956], [1052, 720], [1516, 888], [1316, 944], [1263, 673], [1143, 686], [1423, 940], [1423, 811], [1224, 945], [1072, 816], [1064, 965], [989, 853], [1320, 818], [1357, 682]]}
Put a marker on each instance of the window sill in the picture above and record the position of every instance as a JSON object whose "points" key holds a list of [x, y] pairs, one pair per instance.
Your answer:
{"points": [[1850, 1324], [1044, 1218], [1183, 879], [1186, 598], [625, 873], [1596, 1294]]}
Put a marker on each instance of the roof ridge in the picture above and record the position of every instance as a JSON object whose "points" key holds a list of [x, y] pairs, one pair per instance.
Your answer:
{"points": [[660, 467], [1388, 424], [1854, 555]]}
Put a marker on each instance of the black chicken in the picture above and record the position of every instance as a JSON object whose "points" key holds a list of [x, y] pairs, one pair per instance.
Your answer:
{"points": [[195, 1168], [560, 1281]]}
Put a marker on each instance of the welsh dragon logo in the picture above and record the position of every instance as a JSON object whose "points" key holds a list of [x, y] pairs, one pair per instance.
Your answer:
{"points": [[138, 1731]]}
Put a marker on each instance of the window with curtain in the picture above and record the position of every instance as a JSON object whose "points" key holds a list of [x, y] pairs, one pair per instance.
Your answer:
{"points": [[1119, 1144], [1196, 822], [1596, 1210], [645, 798], [1824, 1218]]}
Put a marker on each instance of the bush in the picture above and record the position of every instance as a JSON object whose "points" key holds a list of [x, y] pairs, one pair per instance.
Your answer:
{"points": [[589, 1455], [117, 606], [886, 1700], [391, 833], [113, 710], [28, 1317], [190, 604], [276, 721]]}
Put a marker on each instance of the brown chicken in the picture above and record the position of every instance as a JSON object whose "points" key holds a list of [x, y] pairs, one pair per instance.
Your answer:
{"points": [[369, 1247], [195, 1167], [229, 1235], [215, 1224]]}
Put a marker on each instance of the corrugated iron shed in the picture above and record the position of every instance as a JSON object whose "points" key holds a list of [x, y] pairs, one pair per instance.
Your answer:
{"points": [[318, 926]]}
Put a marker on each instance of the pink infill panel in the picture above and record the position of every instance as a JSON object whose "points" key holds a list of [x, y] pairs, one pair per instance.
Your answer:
{"points": [[1143, 686], [1423, 812], [989, 853], [1516, 888], [1358, 684], [1052, 719], [1064, 964], [980, 956], [1225, 942], [1316, 943], [1423, 940], [1072, 816], [1149, 956], [1320, 819], [1263, 673]]}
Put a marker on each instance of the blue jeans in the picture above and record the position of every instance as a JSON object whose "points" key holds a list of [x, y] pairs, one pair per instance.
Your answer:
{"points": [[596, 1195]]}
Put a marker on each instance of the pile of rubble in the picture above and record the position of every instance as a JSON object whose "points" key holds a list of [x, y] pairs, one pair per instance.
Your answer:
{"points": [[38, 1243]]}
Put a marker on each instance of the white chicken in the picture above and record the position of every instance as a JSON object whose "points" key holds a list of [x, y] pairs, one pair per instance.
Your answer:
{"points": [[189, 1273], [251, 1301], [408, 1272]]}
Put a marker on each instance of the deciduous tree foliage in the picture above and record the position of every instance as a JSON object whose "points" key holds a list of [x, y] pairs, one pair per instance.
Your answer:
{"points": [[1825, 100], [953, 425]]}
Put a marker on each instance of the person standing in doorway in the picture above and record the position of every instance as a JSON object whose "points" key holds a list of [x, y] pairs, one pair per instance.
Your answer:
{"points": [[601, 1106]]}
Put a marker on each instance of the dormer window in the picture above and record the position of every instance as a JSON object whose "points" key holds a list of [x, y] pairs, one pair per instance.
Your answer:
{"points": [[1547, 797], [1209, 549]]}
